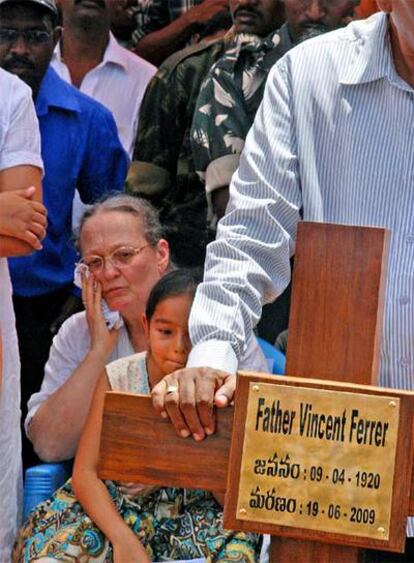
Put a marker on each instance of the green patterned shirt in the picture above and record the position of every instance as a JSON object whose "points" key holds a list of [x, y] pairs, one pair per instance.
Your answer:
{"points": [[163, 171], [228, 102]]}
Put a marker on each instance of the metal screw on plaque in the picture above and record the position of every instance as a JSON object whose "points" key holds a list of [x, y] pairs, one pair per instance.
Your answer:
{"points": [[242, 511], [392, 404], [255, 388], [381, 530]]}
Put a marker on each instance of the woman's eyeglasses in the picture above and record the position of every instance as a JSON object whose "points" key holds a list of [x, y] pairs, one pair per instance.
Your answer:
{"points": [[119, 258]]}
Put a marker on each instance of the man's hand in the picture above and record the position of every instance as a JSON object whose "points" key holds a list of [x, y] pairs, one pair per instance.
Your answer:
{"points": [[202, 13], [22, 218], [188, 396]]}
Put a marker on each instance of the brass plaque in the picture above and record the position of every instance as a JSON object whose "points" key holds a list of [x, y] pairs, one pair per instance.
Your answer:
{"points": [[319, 459]]}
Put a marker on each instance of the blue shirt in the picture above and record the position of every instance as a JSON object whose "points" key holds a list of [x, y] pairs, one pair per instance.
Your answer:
{"points": [[80, 149]]}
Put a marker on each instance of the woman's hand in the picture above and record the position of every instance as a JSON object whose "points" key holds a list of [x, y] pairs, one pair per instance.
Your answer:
{"points": [[103, 341], [130, 550], [132, 490]]}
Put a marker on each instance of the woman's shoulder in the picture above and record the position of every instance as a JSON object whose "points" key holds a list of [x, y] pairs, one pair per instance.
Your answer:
{"points": [[74, 334], [75, 323], [129, 374]]}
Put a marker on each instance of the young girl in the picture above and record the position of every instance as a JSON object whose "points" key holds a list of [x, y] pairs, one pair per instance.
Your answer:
{"points": [[116, 522]]}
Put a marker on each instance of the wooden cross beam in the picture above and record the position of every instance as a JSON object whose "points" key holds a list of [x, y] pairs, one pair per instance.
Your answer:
{"points": [[138, 445]]}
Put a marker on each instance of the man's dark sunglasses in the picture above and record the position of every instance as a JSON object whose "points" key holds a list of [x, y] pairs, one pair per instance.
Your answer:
{"points": [[30, 36]]}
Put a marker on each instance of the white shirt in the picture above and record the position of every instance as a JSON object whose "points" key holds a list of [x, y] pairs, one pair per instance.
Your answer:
{"points": [[333, 137], [19, 145], [19, 128], [119, 83], [69, 348]]}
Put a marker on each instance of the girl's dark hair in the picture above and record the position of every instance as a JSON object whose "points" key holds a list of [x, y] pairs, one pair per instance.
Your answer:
{"points": [[177, 282]]}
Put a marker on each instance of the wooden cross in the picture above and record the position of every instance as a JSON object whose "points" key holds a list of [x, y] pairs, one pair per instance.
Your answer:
{"points": [[334, 333]]}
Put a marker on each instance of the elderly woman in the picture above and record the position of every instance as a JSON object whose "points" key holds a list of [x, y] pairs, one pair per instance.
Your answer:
{"points": [[121, 243], [123, 250]]}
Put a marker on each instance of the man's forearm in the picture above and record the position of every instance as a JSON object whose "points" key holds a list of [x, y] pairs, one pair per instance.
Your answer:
{"points": [[158, 45], [22, 176], [10, 246], [17, 242]]}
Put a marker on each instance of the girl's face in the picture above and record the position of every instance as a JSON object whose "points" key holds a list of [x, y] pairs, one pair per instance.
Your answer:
{"points": [[168, 337]]}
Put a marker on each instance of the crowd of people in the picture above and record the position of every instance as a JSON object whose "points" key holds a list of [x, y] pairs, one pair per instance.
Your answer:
{"points": [[144, 140]]}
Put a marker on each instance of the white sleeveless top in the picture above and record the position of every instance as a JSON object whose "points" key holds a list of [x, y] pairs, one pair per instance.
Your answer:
{"points": [[129, 374]]}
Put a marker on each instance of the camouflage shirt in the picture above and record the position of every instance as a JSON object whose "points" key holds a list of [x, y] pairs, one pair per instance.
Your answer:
{"points": [[163, 171], [228, 101]]}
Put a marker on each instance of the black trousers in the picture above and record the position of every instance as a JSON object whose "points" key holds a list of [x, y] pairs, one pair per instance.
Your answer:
{"points": [[34, 315]]}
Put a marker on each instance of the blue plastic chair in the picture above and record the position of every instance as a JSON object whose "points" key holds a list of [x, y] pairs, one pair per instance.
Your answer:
{"points": [[275, 358], [41, 481]]}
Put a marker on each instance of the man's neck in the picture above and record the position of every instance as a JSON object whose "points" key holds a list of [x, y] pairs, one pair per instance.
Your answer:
{"points": [[403, 54], [82, 50]]}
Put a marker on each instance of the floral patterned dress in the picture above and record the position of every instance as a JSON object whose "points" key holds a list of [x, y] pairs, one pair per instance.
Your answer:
{"points": [[171, 523]]}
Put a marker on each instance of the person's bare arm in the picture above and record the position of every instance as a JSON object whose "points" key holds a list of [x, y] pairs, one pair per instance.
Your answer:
{"points": [[158, 45], [19, 177], [22, 215], [22, 222], [57, 425], [92, 492]]}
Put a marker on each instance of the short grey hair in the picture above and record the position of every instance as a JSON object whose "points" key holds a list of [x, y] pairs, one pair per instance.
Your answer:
{"points": [[123, 203]]}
